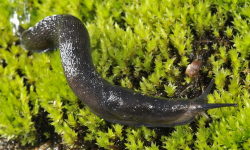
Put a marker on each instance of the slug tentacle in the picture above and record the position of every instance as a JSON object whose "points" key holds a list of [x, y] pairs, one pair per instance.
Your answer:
{"points": [[203, 96], [212, 106], [113, 103]]}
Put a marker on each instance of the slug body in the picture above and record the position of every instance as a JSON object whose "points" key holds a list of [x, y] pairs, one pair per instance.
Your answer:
{"points": [[113, 103]]}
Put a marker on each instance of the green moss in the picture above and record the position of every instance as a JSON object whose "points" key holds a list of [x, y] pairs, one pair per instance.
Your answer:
{"points": [[144, 46]]}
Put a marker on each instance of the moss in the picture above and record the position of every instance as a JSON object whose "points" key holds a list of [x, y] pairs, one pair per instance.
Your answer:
{"points": [[144, 46]]}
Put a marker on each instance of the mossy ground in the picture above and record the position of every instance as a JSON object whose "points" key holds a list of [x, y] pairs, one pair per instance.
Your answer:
{"points": [[142, 45]]}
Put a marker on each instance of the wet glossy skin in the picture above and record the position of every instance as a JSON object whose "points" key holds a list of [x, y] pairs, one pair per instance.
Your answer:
{"points": [[113, 103]]}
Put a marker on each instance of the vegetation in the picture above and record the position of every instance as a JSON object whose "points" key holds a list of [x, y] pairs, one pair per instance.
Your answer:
{"points": [[142, 45]]}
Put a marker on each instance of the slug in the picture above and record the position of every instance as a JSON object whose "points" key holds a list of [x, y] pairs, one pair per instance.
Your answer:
{"points": [[110, 102]]}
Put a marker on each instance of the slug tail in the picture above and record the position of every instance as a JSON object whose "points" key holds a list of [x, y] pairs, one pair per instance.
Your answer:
{"points": [[212, 106]]}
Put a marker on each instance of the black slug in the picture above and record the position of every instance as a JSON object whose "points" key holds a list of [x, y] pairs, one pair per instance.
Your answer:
{"points": [[113, 103]]}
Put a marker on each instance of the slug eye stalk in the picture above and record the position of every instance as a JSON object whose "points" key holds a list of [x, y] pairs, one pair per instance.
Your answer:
{"points": [[212, 106]]}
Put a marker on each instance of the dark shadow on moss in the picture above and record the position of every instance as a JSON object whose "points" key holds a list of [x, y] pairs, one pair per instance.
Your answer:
{"points": [[3, 63], [45, 131]]}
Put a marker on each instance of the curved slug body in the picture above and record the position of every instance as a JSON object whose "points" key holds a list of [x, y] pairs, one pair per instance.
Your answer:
{"points": [[113, 103]]}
